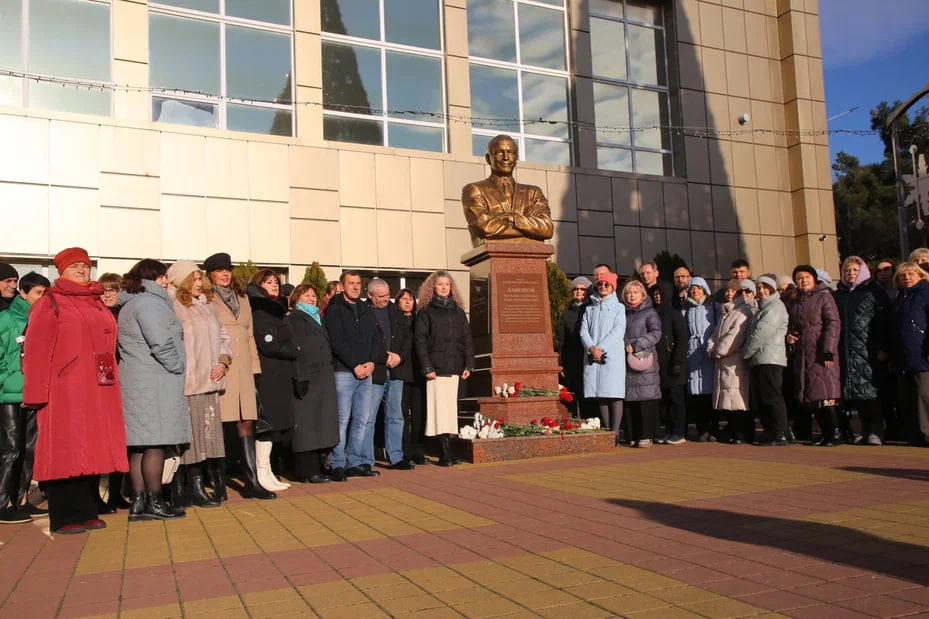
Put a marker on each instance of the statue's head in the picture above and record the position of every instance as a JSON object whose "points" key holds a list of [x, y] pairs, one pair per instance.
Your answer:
{"points": [[502, 155]]}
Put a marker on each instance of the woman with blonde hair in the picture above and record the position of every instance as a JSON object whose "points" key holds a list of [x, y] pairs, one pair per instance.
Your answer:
{"points": [[643, 383], [443, 344], [209, 355]]}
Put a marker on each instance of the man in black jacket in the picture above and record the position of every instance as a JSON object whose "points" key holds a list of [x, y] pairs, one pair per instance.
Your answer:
{"points": [[356, 348], [395, 341], [8, 279]]}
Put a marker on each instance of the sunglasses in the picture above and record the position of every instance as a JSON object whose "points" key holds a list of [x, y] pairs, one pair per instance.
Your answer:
{"points": [[604, 284]]}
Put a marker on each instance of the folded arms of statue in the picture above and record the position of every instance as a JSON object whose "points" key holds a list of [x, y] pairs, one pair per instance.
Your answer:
{"points": [[493, 220]]}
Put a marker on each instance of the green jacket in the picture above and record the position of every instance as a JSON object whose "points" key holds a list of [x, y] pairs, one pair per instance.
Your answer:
{"points": [[12, 325]]}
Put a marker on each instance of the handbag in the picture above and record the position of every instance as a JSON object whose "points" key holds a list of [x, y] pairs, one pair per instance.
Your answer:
{"points": [[106, 368], [640, 361]]}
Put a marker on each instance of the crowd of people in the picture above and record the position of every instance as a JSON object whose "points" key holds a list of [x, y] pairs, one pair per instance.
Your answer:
{"points": [[160, 378], [784, 350]]}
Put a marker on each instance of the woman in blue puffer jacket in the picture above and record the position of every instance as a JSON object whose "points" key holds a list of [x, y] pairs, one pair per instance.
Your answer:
{"points": [[602, 329], [701, 314]]}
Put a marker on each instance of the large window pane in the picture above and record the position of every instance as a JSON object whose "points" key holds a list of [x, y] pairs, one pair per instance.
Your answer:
{"points": [[351, 78], [208, 6], [610, 8], [414, 83], [653, 163], [611, 109], [646, 55], [416, 137], [69, 38], [491, 30], [558, 153], [271, 11], [541, 37], [412, 22], [193, 113], [183, 54], [257, 64], [546, 98], [11, 29], [49, 96], [650, 109], [494, 96], [608, 48], [618, 159], [357, 18], [647, 11], [259, 120], [357, 130]]}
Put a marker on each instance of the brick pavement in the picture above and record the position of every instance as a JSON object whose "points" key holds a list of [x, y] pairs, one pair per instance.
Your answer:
{"points": [[692, 530]]}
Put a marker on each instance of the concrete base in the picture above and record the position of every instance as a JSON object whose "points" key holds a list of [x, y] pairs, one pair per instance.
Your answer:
{"points": [[522, 447]]}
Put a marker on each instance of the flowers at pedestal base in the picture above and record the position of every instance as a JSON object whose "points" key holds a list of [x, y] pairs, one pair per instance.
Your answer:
{"points": [[485, 427]]}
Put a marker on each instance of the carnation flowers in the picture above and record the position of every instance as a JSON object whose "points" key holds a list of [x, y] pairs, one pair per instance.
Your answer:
{"points": [[486, 427], [518, 390]]}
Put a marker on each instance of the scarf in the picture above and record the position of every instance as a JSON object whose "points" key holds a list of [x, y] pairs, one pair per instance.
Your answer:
{"points": [[229, 297], [312, 310]]}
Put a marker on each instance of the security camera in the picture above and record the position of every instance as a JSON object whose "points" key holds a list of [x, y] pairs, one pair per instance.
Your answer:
{"points": [[822, 237], [744, 118]]}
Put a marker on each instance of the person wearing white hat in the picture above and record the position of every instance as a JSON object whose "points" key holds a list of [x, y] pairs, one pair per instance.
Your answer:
{"points": [[766, 353], [570, 348]]}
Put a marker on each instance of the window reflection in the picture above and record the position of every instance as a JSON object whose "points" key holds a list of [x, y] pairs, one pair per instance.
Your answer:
{"points": [[11, 18], [357, 130], [643, 11], [49, 96], [257, 64], [658, 164], [351, 78], [491, 29], [208, 6], [611, 8], [646, 55], [650, 109], [183, 54], [357, 18], [608, 48], [255, 119], [494, 96], [271, 11], [611, 109], [541, 37], [69, 38], [415, 136], [557, 153], [618, 159], [412, 22], [193, 113], [414, 83], [545, 97]]}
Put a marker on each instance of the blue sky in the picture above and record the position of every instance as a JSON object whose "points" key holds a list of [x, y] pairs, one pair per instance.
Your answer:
{"points": [[872, 52]]}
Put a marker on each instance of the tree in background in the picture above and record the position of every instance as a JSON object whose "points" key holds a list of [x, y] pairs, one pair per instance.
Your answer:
{"points": [[559, 294], [315, 275], [244, 272]]}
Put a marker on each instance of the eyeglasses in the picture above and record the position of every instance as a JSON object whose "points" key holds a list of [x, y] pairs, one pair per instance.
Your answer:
{"points": [[604, 284], [110, 292]]}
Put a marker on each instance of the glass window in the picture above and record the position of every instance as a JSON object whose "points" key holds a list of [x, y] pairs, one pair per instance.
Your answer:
{"points": [[611, 109], [374, 72], [618, 159], [271, 11], [646, 55], [183, 54], [519, 81], [193, 113], [257, 64], [253, 119], [11, 30], [208, 6], [608, 48]]}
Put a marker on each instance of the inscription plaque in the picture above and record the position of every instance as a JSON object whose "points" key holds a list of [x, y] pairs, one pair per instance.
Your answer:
{"points": [[519, 302]]}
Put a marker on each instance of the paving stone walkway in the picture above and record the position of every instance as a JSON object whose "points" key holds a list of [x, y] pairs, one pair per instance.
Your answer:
{"points": [[693, 530]]}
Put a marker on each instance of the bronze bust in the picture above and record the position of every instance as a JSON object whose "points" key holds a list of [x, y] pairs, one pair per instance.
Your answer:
{"points": [[499, 208]]}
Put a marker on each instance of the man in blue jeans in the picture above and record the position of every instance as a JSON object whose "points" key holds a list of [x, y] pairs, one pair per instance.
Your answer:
{"points": [[388, 378], [356, 348]]}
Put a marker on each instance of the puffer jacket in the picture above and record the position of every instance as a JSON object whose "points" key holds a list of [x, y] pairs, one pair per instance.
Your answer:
{"points": [[730, 382], [604, 325], [908, 325], [814, 319], [862, 309], [701, 319], [643, 331], [672, 348], [767, 329], [206, 343], [442, 338], [12, 325]]}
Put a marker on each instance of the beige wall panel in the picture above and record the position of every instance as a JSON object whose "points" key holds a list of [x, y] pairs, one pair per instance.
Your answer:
{"points": [[819, 122], [783, 169], [693, 108], [129, 151], [769, 213], [651, 204], [759, 80], [737, 75], [762, 118], [690, 64], [679, 243], [456, 31], [736, 4], [717, 112], [222, 235], [697, 159], [458, 81], [688, 21], [815, 249], [756, 34], [703, 245], [183, 225], [314, 204], [359, 237], [676, 214], [226, 168], [728, 249], [626, 203], [315, 241], [725, 218], [426, 190], [307, 16], [700, 203], [314, 168], [459, 132], [392, 174], [827, 211], [817, 86], [596, 250], [807, 218], [711, 25], [654, 242], [795, 169], [529, 176], [773, 36], [130, 31], [721, 170], [811, 6], [790, 255], [813, 46], [183, 164], [456, 243], [628, 247], [746, 206], [24, 149], [463, 281], [458, 174], [310, 117], [787, 213], [267, 240], [743, 164], [594, 223], [308, 59], [740, 132], [802, 251], [823, 167], [357, 179], [24, 210], [73, 219], [454, 215], [111, 265], [128, 104], [780, 124], [130, 191], [772, 249], [831, 256], [751, 251], [429, 244], [801, 66], [268, 171], [777, 81], [567, 250], [394, 239], [562, 197], [115, 242], [734, 30], [593, 192], [713, 63], [74, 155]]}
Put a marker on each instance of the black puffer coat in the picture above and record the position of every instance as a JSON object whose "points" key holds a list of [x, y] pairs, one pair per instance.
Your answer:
{"points": [[277, 351], [570, 348], [672, 347], [862, 311], [443, 338]]}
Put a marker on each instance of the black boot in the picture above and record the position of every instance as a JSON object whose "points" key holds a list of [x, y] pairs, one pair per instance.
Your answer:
{"points": [[178, 488], [825, 417], [115, 498], [252, 489], [217, 468], [156, 508], [102, 508], [195, 491], [11, 435], [445, 452], [137, 508]]}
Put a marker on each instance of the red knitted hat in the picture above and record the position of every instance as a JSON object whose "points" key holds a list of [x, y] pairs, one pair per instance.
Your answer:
{"points": [[67, 257]]}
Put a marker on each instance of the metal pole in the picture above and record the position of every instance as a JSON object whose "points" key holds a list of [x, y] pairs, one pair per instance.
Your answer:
{"points": [[901, 212]]}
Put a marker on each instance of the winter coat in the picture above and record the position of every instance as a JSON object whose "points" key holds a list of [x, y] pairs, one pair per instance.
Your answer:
{"points": [[316, 411], [672, 348], [701, 319], [571, 351], [80, 423], [767, 329], [908, 324], [353, 334], [643, 332], [238, 401], [152, 362], [401, 343], [443, 338], [814, 318], [206, 343], [730, 378], [277, 351], [604, 324], [12, 324], [862, 310]]}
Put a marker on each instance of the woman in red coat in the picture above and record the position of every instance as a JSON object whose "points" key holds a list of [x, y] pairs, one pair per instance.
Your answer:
{"points": [[71, 380]]}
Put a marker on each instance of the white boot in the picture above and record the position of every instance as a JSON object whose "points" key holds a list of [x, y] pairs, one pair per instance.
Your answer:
{"points": [[263, 461]]}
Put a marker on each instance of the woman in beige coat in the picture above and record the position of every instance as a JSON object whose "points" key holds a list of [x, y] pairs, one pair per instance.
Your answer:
{"points": [[237, 404], [730, 383]]}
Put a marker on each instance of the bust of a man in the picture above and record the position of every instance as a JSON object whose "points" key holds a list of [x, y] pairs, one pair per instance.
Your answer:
{"points": [[499, 208]]}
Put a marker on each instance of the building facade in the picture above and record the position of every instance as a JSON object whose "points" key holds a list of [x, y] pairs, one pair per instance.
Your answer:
{"points": [[342, 131]]}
